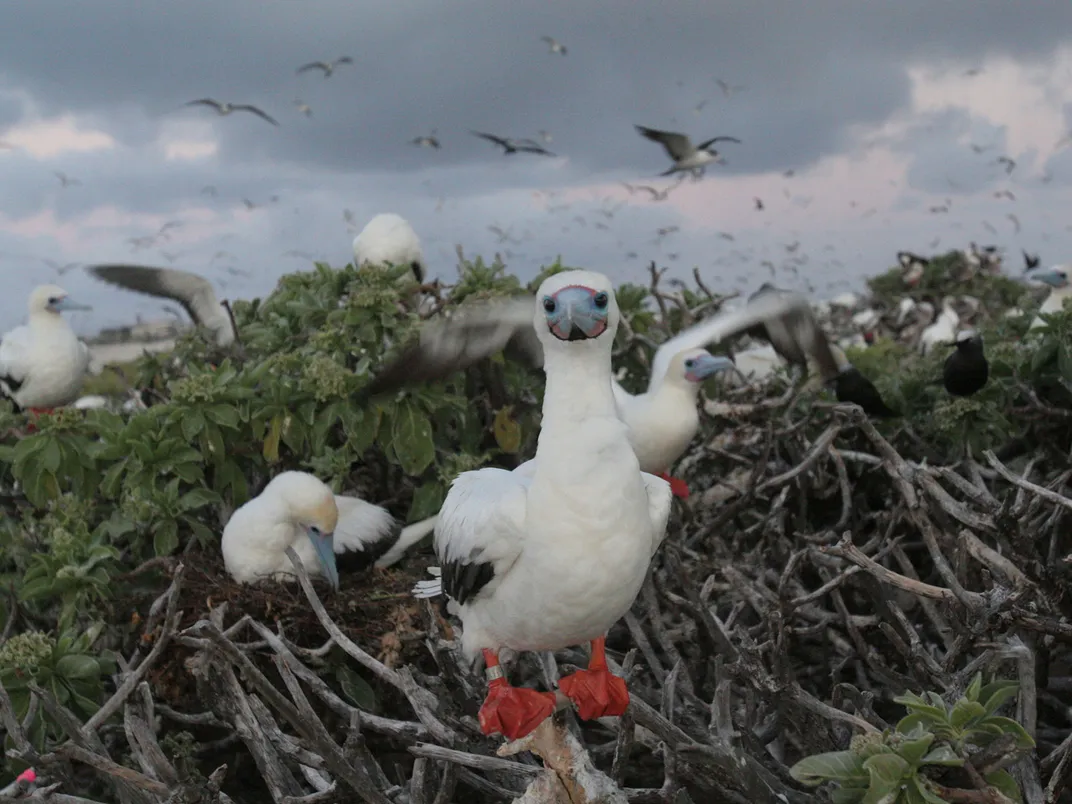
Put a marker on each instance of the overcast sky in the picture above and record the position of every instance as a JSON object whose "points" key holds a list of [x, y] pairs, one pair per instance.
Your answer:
{"points": [[874, 112]]}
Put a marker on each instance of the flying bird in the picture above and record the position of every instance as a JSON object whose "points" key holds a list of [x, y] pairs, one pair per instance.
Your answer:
{"points": [[759, 203], [553, 45], [426, 141], [686, 156], [304, 108], [966, 370], [223, 109], [42, 362], [728, 90], [192, 291], [327, 66], [60, 269], [65, 180], [511, 146], [1010, 164]]}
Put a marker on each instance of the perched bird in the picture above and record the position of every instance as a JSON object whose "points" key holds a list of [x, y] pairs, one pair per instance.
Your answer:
{"points": [[553, 553], [511, 146], [42, 362], [388, 239], [850, 385], [912, 267], [553, 45], [1061, 289], [943, 330], [329, 532], [966, 370], [191, 290], [327, 66], [224, 109], [686, 156]]}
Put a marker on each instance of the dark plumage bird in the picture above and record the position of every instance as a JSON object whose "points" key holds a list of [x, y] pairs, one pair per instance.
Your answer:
{"points": [[512, 146], [966, 370], [851, 385], [1031, 261]]}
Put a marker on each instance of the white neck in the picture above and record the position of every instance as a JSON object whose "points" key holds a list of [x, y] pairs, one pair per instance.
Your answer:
{"points": [[46, 318], [578, 384]]}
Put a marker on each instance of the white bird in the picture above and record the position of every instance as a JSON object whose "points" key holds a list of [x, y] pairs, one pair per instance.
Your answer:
{"points": [[759, 362], [224, 108], [42, 362], [943, 330], [554, 46], [686, 156], [389, 239], [1061, 289], [191, 290], [329, 532], [554, 553], [663, 420], [328, 67]]}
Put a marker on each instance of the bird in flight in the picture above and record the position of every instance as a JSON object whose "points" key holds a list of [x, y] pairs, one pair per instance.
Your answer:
{"points": [[728, 90], [511, 146], [327, 66], [686, 156], [304, 108], [224, 109], [427, 141], [554, 45], [65, 180]]}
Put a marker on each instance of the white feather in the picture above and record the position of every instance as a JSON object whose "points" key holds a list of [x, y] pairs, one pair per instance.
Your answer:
{"points": [[943, 330], [388, 239]]}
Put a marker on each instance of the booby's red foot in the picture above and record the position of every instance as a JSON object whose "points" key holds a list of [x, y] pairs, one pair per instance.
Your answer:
{"points": [[678, 487], [514, 712], [596, 691]]}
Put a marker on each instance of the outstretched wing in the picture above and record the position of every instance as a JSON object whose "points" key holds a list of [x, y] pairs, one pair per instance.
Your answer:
{"points": [[452, 344], [678, 146], [250, 108], [191, 290], [481, 531]]}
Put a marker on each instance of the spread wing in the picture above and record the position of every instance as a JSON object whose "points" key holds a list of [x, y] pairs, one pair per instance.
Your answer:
{"points": [[678, 146], [481, 530], [452, 344], [261, 114], [788, 313], [492, 138], [191, 290]]}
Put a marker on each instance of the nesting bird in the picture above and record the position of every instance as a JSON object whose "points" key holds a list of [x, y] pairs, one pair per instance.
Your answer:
{"points": [[966, 370], [943, 330], [42, 362], [388, 239], [850, 385], [329, 532], [1061, 289]]}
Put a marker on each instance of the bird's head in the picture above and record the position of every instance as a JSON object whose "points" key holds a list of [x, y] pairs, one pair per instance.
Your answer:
{"points": [[1055, 277], [311, 505], [693, 366], [967, 339], [53, 299], [576, 306]]}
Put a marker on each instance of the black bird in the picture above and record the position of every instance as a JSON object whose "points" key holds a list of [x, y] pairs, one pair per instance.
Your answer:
{"points": [[1031, 261], [966, 370], [851, 385], [511, 146]]}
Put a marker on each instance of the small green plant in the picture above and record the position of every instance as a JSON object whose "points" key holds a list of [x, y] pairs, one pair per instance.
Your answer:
{"points": [[899, 766]]}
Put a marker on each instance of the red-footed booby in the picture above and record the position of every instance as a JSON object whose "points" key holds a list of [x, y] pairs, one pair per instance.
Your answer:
{"points": [[389, 239], [42, 362], [1061, 289]]}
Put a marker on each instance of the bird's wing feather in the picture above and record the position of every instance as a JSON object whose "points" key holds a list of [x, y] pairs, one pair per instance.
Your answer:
{"points": [[790, 309], [713, 140], [676, 145], [361, 524], [481, 530], [491, 138], [192, 291], [313, 65], [15, 354], [660, 500], [250, 108], [205, 102], [451, 344]]}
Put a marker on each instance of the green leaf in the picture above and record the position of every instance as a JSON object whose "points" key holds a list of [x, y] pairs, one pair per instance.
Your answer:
{"points": [[224, 415], [912, 751], [197, 498], [834, 765], [427, 500], [51, 456], [77, 666], [166, 538], [922, 788], [972, 693], [942, 755], [887, 772], [411, 438], [356, 689], [995, 694], [191, 424], [965, 711], [507, 431], [1008, 725], [1064, 361], [271, 441], [847, 795], [1004, 781]]}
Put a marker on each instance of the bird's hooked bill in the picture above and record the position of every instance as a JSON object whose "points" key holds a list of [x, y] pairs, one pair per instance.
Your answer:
{"points": [[1052, 278], [576, 313], [324, 544], [65, 304], [703, 366]]}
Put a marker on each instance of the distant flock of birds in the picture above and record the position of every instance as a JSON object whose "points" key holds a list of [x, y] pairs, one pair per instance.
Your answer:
{"points": [[554, 552]]}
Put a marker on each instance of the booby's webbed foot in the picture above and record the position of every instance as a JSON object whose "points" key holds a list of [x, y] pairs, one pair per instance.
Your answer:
{"points": [[596, 692], [512, 712], [678, 487]]}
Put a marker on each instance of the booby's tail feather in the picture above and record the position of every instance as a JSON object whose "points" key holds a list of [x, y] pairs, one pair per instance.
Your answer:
{"points": [[429, 589], [409, 536]]}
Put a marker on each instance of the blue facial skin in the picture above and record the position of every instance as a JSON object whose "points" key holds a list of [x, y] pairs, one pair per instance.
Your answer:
{"points": [[699, 368], [576, 313], [59, 305], [324, 544], [1052, 278]]}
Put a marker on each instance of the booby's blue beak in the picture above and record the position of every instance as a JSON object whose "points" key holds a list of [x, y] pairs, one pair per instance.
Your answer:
{"points": [[699, 368], [59, 305], [576, 312], [324, 544], [1053, 278]]}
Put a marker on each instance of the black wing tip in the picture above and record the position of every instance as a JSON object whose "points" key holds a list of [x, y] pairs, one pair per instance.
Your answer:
{"points": [[464, 581], [359, 559]]}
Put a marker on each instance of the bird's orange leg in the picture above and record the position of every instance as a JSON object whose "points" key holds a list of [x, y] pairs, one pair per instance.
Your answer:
{"points": [[511, 711], [596, 691], [678, 487]]}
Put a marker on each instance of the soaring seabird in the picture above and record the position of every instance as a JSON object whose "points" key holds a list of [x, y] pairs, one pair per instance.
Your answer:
{"points": [[966, 369], [427, 141], [42, 362], [512, 146], [388, 239], [329, 532], [191, 290], [1057, 279], [224, 108], [553, 553], [327, 66], [686, 156], [553, 45]]}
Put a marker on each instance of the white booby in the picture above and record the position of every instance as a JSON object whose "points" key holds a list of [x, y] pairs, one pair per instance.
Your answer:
{"points": [[966, 369], [388, 239], [1061, 289], [663, 420], [687, 157], [42, 362], [329, 532], [191, 290], [943, 330], [553, 553]]}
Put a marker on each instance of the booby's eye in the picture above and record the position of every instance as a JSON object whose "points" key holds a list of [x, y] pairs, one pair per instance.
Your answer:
{"points": [[314, 530], [601, 300], [690, 363], [53, 299], [549, 304]]}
